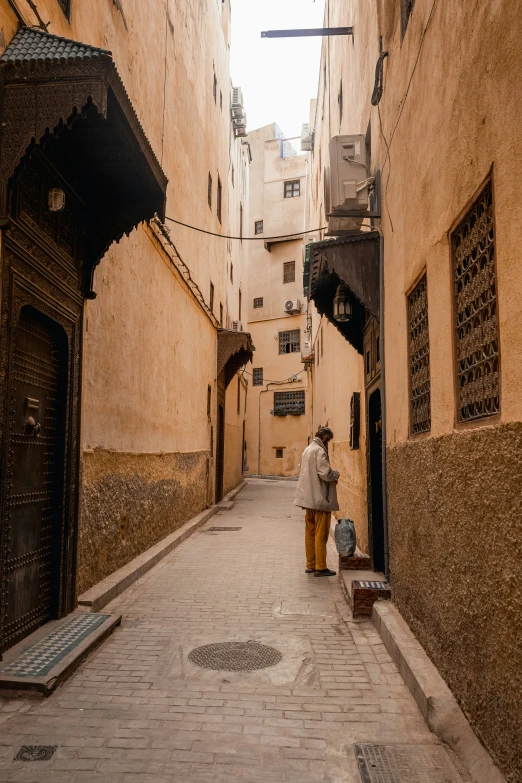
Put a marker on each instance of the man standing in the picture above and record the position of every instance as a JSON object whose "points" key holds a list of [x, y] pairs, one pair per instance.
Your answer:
{"points": [[317, 494]]}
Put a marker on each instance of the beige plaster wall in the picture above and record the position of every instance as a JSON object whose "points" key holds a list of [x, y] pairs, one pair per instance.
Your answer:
{"points": [[265, 279], [454, 494], [235, 411], [149, 348]]}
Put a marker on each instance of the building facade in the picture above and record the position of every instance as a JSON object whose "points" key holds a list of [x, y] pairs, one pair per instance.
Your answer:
{"points": [[119, 414], [441, 344], [276, 425]]}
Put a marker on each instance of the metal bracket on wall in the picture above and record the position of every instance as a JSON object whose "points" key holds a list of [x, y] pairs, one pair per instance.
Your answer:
{"points": [[317, 31], [355, 214]]}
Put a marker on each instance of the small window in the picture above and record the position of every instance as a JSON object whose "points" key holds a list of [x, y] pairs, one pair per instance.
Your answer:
{"points": [[259, 227], [219, 199], [221, 314], [212, 297], [209, 195], [258, 302], [289, 272], [419, 358], [406, 9], [290, 342], [279, 453], [293, 188], [209, 400], [214, 88], [257, 374], [231, 273], [289, 403]]}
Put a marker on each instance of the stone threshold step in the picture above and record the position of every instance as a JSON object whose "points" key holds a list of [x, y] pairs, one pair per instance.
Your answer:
{"points": [[362, 589], [47, 657], [113, 585]]}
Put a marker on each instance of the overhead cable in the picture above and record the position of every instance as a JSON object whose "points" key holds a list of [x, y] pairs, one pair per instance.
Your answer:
{"points": [[247, 239]]}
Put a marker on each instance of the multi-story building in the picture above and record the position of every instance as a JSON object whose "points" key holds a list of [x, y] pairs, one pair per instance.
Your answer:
{"points": [[121, 415], [435, 313], [276, 428]]}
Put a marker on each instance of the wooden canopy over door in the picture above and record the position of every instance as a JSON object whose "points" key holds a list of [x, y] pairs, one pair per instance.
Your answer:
{"points": [[68, 125]]}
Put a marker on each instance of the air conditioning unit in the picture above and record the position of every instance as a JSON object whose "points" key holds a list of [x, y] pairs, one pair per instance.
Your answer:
{"points": [[348, 174], [239, 122], [237, 112], [235, 326], [237, 98], [307, 137], [292, 306]]}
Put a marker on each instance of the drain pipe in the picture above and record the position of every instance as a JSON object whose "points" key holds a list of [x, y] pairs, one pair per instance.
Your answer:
{"points": [[383, 408]]}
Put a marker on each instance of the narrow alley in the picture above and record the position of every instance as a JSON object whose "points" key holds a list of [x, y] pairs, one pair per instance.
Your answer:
{"points": [[139, 710]]}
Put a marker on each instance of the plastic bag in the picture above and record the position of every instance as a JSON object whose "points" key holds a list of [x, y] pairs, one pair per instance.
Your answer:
{"points": [[345, 538]]}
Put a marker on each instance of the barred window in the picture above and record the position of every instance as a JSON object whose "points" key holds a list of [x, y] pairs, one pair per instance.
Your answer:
{"points": [[289, 272], [290, 342], [419, 354], [211, 303], [258, 227], [219, 199], [293, 188], [258, 302], [289, 403], [257, 374], [279, 453], [475, 307]]}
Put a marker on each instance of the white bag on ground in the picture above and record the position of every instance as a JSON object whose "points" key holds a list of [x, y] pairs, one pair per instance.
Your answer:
{"points": [[345, 538]]}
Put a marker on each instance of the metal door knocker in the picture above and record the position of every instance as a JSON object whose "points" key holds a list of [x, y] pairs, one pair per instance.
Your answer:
{"points": [[31, 427]]}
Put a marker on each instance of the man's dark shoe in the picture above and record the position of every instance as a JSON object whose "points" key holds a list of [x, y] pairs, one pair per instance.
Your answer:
{"points": [[309, 570], [325, 572]]}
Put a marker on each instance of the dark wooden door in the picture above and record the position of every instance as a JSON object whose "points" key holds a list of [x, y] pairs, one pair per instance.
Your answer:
{"points": [[35, 475], [220, 452], [376, 511]]}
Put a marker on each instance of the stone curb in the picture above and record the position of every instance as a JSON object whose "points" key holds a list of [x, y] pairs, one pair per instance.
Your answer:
{"points": [[113, 585], [434, 698]]}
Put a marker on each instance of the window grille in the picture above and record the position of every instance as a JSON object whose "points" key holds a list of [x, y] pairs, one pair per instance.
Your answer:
{"points": [[219, 199], [419, 354], [257, 374], [209, 194], [290, 342], [475, 306], [289, 403], [258, 302], [212, 297], [209, 400], [406, 9], [65, 5], [259, 227], [293, 188], [279, 453], [220, 314], [231, 273], [289, 272]]}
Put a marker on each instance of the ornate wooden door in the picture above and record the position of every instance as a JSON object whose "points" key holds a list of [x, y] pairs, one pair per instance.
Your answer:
{"points": [[34, 474]]}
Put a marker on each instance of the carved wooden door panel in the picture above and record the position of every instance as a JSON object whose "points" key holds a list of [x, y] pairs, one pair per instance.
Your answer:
{"points": [[34, 474]]}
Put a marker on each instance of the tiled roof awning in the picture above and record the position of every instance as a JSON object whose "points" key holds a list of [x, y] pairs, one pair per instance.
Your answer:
{"points": [[353, 260], [235, 349], [71, 93]]}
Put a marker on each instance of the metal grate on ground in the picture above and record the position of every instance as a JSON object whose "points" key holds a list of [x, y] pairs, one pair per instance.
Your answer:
{"points": [[405, 764], [43, 656], [35, 753], [235, 656]]}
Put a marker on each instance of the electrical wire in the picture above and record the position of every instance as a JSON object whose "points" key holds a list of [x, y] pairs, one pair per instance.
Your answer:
{"points": [[266, 380], [246, 239]]}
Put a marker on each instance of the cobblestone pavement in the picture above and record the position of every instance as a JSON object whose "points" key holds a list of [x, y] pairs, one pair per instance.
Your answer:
{"points": [[139, 710]]}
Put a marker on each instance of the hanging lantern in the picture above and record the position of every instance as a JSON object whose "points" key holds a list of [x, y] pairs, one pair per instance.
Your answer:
{"points": [[342, 306], [56, 200]]}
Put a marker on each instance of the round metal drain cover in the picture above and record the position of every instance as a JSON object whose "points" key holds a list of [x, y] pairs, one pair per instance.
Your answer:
{"points": [[235, 656]]}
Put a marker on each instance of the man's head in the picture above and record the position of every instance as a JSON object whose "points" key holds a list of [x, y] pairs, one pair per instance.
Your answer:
{"points": [[324, 434]]}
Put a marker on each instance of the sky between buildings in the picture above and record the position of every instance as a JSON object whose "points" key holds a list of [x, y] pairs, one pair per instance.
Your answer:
{"points": [[278, 77]]}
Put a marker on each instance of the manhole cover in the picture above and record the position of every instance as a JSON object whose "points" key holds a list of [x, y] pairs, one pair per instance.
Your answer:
{"points": [[235, 656], [221, 529], [405, 764], [35, 753]]}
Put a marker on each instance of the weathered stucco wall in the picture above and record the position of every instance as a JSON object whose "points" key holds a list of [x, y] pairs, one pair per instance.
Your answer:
{"points": [[456, 552], [131, 501], [235, 409]]}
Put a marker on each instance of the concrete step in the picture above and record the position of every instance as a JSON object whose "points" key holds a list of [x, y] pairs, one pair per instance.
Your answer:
{"points": [[362, 589]]}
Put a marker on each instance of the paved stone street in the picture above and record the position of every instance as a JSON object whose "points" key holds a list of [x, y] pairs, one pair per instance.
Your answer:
{"points": [[139, 710]]}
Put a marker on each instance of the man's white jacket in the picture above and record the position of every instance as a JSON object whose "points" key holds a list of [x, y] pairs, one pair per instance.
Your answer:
{"points": [[316, 488]]}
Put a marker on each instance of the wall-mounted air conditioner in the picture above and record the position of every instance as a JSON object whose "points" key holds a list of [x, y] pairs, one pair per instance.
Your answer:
{"points": [[348, 173], [307, 137], [237, 112], [237, 98], [292, 306], [235, 326]]}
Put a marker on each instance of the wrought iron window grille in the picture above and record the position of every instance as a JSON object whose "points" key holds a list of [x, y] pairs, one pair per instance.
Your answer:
{"points": [[293, 188], [289, 403], [258, 302], [475, 306], [419, 355], [289, 272], [257, 376], [259, 227], [290, 342]]}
